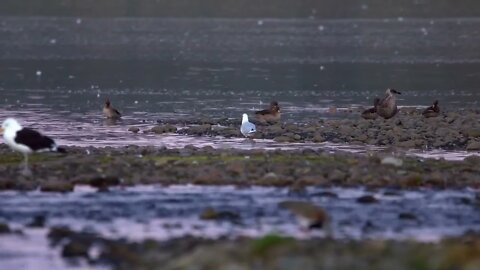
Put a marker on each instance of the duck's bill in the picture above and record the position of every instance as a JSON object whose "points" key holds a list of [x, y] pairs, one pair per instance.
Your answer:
{"points": [[396, 92]]}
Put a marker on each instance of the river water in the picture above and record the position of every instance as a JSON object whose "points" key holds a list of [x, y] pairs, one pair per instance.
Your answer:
{"points": [[155, 212], [56, 72]]}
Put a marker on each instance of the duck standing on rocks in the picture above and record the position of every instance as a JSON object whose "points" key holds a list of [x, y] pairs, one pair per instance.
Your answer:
{"points": [[269, 115], [309, 215], [387, 107], [432, 111], [371, 113], [247, 129], [26, 141], [110, 112]]}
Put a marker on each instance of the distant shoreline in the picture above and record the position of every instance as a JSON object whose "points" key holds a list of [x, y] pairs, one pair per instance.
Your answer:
{"points": [[243, 8]]}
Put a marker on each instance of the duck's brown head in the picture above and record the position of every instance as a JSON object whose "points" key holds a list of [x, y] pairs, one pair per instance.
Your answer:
{"points": [[393, 91], [274, 107], [107, 103], [435, 103]]}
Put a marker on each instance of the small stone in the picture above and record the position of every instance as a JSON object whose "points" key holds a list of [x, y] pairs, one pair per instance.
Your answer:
{"points": [[270, 177], [407, 144], [408, 216], [134, 129], [392, 161], [367, 199], [318, 138], [163, 129], [57, 186], [75, 249], [103, 182], [282, 139], [4, 228], [37, 222]]}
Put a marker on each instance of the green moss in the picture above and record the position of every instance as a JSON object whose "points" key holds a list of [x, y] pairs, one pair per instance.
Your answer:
{"points": [[263, 245]]}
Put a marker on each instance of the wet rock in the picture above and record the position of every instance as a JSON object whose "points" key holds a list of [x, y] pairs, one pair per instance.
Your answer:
{"points": [[134, 129], [473, 159], [283, 139], [270, 177], [7, 184], [367, 199], [318, 138], [75, 249], [4, 228], [209, 175], [472, 132], [407, 216], [160, 129], [407, 144], [104, 181], [59, 233], [57, 186], [236, 167], [392, 161], [199, 130], [473, 146], [37, 222]]}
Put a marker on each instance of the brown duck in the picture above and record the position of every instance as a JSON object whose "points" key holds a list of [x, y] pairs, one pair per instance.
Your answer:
{"points": [[371, 113], [269, 115], [387, 107], [432, 111], [309, 215], [110, 112]]}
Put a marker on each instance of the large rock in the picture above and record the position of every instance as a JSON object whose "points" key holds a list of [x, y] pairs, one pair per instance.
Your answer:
{"points": [[160, 129], [473, 145]]}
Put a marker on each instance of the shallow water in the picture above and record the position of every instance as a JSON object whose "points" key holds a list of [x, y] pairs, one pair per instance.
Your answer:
{"points": [[146, 210], [56, 72], [167, 212]]}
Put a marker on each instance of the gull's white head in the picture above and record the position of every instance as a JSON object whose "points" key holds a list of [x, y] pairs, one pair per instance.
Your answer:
{"points": [[244, 118], [10, 124]]}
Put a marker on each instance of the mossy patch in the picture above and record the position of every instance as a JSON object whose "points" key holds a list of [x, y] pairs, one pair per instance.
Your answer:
{"points": [[261, 246]]}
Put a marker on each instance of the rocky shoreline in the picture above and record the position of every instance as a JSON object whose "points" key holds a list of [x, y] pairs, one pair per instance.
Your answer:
{"points": [[269, 252], [296, 169], [452, 130]]}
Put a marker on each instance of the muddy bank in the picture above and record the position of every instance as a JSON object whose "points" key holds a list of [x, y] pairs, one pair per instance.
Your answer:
{"points": [[454, 130], [104, 167], [269, 252]]}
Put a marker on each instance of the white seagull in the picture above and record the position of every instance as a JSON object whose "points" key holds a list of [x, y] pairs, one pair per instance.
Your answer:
{"points": [[247, 129], [26, 141]]}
